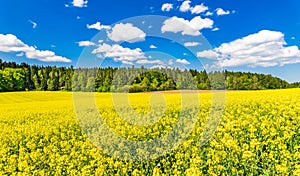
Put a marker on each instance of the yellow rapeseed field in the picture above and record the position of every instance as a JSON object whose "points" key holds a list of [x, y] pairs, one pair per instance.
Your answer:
{"points": [[259, 135]]}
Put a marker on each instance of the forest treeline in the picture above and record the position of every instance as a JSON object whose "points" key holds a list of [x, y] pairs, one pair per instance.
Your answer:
{"points": [[20, 77]]}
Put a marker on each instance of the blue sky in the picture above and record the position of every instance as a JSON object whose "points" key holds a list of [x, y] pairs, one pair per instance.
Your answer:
{"points": [[249, 35]]}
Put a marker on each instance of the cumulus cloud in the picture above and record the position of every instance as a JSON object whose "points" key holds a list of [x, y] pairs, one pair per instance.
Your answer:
{"points": [[265, 48], [199, 9], [191, 43], [170, 62], [208, 14], [220, 12], [215, 29], [10, 43], [118, 52], [186, 27], [79, 3], [159, 66], [127, 62], [34, 24], [183, 61], [20, 54], [185, 6], [126, 32], [86, 43], [45, 56], [144, 61], [98, 26], [166, 7], [152, 46], [209, 54]]}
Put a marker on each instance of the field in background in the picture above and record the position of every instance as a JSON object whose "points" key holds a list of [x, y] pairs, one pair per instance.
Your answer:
{"points": [[259, 134]]}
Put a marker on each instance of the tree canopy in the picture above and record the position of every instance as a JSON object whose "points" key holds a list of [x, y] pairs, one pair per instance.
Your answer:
{"points": [[20, 77]]}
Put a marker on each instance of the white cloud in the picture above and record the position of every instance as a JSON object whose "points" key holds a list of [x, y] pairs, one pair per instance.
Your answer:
{"points": [[118, 52], [191, 44], [52, 46], [126, 32], [199, 9], [86, 43], [215, 29], [186, 27], [34, 24], [220, 11], [170, 62], [166, 7], [20, 54], [206, 66], [144, 61], [127, 62], [185, 6], [208, 14], [209, 54], [183, 61], [152, 46], [10, 43], [79, 3], [45, 56], [159, 66], [265, 48], [98, 26]]}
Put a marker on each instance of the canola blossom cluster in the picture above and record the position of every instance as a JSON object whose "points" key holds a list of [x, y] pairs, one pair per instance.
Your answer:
{"points": [[258, 135]]}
